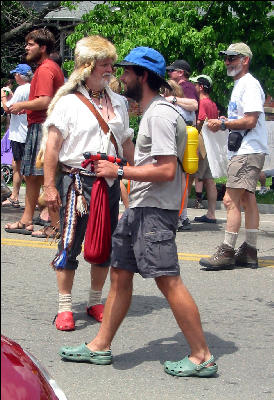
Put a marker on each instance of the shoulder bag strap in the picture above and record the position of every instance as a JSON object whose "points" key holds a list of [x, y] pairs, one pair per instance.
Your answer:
{"points": [[99, 118]]}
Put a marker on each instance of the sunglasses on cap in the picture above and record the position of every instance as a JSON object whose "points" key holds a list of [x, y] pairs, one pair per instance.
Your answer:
{"points": [[232, 58]]}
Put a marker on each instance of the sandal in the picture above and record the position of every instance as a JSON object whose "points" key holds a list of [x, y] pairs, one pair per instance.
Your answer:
{"points": [[204, 218], [84, 354], [64, 321], [20, 228], [49, 232], [11, 203], [40, 221], [185, 367], [96, 312]]}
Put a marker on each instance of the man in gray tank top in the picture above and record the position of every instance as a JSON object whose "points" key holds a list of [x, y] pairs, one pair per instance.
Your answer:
{"points": [[144, 240]]}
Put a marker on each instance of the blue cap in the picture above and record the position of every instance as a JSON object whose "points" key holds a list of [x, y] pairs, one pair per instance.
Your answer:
{"points": [[21, 69], [148, 58]]}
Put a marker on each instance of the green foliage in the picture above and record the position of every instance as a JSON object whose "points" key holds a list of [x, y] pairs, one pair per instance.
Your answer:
{"points": [[193, 30]]}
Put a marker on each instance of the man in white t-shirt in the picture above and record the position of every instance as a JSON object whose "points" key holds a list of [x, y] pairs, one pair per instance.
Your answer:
{"points": [[246, 160], [18, 128]]}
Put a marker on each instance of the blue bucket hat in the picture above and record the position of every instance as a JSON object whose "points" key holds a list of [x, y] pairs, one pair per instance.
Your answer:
{"points": [[21, 69], [147, 58]]}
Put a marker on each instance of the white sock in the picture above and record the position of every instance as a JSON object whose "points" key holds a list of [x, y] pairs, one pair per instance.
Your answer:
{"points": [[230, 239], [184, 214], [65, 303], [251, 237], [94, 297]]}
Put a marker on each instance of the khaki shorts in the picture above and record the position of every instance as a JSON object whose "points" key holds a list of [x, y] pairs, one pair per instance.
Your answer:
{"points": [[243, 171], [204, 171]]}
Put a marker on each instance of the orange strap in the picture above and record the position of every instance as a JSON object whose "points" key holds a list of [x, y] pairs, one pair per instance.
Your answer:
{"points": [[128, 184], [184, 195]]}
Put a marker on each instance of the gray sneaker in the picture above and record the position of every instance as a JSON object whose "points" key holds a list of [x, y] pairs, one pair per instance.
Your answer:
{"points": [[224, 258], [246, 256]]}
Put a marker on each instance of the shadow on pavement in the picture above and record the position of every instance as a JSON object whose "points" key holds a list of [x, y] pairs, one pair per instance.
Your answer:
{"points": [[170, 348]]}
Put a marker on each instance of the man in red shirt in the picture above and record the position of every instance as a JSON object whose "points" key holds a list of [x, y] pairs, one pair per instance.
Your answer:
{"points": [[207, 109], [46, 81]]}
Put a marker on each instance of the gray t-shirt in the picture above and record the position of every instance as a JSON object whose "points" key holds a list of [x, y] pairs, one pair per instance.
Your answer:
{"points": [[162, 132]]}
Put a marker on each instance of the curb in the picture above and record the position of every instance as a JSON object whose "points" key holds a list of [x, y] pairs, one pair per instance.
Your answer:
{"points": [[263, 208]]}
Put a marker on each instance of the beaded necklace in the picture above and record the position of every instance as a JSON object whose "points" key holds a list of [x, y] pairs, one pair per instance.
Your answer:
{"points": [[96, 94]]}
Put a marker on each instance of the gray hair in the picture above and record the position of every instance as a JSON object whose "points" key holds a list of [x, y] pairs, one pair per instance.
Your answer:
{"points": [[27, 77]]}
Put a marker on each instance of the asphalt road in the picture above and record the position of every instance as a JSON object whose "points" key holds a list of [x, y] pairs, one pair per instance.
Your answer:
{"points": [[236, 309]]}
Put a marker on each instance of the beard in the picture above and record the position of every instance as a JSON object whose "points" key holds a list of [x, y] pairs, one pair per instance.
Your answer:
{"points": [[233, 71], [33, 57], [134, 92]]}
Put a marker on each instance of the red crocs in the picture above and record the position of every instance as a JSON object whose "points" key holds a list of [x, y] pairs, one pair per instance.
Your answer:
{"points": [[64, 321], [96, 312]]}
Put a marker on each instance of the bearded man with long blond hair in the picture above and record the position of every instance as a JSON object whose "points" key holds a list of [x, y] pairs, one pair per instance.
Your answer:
{"points": [[70, 130]]}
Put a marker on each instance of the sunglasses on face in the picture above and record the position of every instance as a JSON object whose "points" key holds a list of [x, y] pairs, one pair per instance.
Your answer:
{"points": [[231, 58]]}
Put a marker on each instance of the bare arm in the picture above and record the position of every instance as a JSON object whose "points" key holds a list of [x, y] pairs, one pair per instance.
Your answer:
{"points": [[249, 121], [40, 103], [187, 104], [54, 143], [163, 170], [128, 151]]}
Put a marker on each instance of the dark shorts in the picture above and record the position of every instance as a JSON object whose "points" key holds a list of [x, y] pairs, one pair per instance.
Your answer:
{"points": [[63, 182], [144, 242], [243, 171], [18, 150], [32, 146]]}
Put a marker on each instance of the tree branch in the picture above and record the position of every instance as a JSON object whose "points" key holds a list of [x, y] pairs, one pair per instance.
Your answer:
{"points": [[53, 5]]}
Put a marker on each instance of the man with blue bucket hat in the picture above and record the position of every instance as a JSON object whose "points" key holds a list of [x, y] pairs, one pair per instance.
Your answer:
{"points": [[144, 240]]}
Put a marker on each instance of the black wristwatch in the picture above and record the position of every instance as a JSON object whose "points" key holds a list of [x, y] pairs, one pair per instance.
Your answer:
{"points": [[223, 127], [174, 100], [120, 172]]}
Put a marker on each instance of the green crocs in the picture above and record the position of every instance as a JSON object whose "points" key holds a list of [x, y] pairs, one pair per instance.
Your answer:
{"points": [[185, 367], [84, 354]]}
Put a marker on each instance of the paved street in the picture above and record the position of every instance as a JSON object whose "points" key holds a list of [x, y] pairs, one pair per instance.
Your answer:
{"points": [[236, 310]]}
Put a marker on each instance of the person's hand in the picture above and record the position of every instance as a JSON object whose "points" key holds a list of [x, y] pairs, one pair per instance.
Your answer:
{"points": [[214, 124], [52, 198], [169, 98], [16, 108], [106, 169]]}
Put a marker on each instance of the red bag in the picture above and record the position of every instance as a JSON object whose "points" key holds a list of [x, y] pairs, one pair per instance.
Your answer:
{"points": [[98, 234]]}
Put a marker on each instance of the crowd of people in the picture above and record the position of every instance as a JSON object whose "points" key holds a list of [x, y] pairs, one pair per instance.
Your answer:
{"points": [[55, 122]]}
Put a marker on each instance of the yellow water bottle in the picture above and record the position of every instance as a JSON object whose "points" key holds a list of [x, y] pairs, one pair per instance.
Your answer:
{"points": [[191, 158]]}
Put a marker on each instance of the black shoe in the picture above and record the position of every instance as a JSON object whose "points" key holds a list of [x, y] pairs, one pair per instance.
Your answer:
{"points": [[184, 225]]}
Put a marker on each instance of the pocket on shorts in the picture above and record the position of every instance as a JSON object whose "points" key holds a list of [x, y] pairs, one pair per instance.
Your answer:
{"points": [[160, 249]]}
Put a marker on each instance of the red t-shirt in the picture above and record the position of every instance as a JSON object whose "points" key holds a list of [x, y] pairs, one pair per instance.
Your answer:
{"points": [[46, 80], [207, 109]]}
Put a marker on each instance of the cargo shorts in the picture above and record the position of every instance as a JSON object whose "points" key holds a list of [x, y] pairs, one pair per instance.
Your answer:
{"points": [[243, 171], [144, 242]]}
